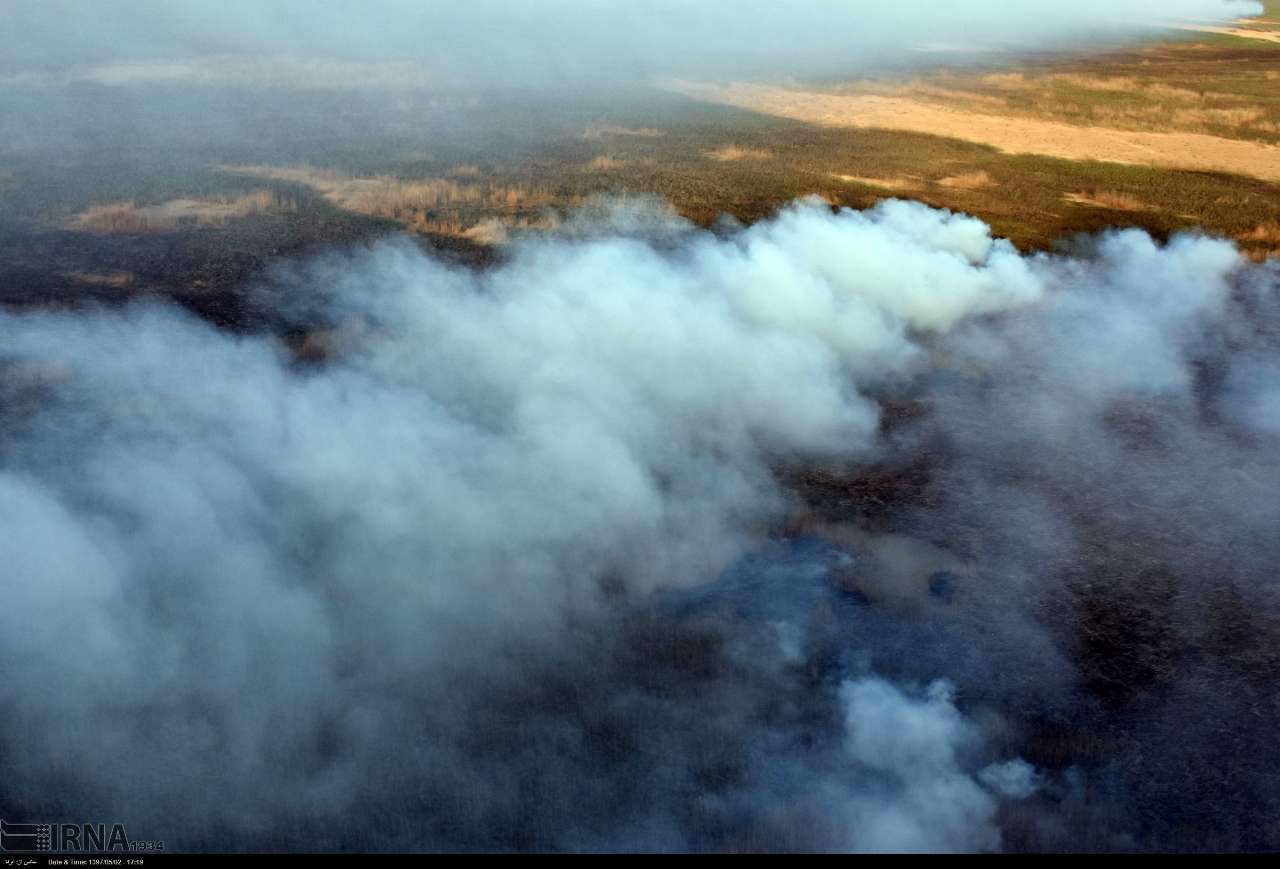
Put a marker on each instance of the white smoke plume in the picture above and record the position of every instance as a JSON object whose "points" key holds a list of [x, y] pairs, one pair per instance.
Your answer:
{"points": [[483, 577], [931, 804]]}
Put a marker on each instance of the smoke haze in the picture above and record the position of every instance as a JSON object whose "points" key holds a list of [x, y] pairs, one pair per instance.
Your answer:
{"points": [[579, 44]]}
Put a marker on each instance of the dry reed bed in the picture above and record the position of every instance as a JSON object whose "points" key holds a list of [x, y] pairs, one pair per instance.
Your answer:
{"points": [[128, 216]]}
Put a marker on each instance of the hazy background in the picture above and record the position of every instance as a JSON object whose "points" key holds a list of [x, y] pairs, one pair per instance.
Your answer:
{"points": [[569, 43]]}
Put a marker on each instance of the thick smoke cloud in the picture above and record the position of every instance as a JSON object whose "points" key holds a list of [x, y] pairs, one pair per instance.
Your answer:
{"points": [[494, 573], [1111, 454], [257, 575], [579, 43]]}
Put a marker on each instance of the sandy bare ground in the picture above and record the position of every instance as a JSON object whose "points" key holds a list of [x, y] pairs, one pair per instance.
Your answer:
{"points": [[1243, 32], [1014, 135]]}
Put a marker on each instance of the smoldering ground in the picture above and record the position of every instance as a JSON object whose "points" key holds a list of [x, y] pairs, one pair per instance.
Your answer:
{"points": [[523, 560]]}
